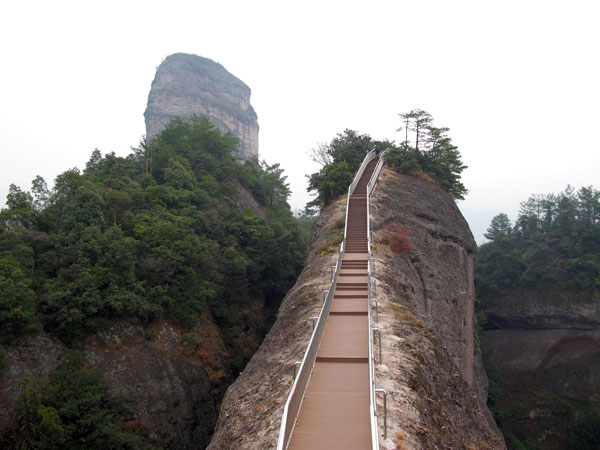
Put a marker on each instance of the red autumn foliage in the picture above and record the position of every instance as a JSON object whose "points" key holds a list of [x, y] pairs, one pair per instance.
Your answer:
{"points": [[400, 242]]}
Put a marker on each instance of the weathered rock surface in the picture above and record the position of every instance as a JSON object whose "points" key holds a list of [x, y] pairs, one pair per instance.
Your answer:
{"points": [[189, 84], [436, 280], [426, 314], [39, 356], [173, 390], [547, 348], [537, 310], [427, 304]]}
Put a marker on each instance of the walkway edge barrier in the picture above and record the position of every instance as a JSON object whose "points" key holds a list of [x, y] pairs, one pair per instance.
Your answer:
{"points": [[296, 395], [302, 378], [370, 156], [372, 399]]}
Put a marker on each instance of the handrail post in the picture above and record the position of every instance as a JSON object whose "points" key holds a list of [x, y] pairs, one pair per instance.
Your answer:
{"points": [[369, 278], [296, 365], [376, 309], [313, 322], [382, 391], [379, 335]]}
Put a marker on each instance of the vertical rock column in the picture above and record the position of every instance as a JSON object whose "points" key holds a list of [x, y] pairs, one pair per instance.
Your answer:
{"points": [[189, 84]]}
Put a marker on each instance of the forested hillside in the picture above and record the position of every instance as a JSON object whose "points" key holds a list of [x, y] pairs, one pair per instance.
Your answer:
{"points": [[161, 232], [538, 284], [554, 244], [181, 229]]}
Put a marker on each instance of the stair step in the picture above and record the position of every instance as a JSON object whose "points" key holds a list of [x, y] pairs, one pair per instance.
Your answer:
{"points": [[344, 359], [349, 313]]}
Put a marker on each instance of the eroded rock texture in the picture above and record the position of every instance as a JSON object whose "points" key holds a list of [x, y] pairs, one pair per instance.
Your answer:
{"points": [[547, 348], [189, 84], [426, 295], [173, 390], [426, 314], [39, 356]]}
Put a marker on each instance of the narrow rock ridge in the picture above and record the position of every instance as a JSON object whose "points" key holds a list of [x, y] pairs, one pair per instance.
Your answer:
{"points": [[436, 386], [187, 84]]}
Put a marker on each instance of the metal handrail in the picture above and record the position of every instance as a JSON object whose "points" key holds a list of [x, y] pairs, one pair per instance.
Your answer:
{"points": [[372, 390], [372, 400], [375, 175], [368, 158], [296, 395], [370, 189], [302, 377]]}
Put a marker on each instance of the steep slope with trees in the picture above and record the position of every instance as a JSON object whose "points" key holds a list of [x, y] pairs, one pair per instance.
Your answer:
{"points": [[538, 282], [181, 240]]}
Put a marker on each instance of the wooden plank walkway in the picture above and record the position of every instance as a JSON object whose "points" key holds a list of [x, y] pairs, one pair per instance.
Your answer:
{"points": [[335, 411]]}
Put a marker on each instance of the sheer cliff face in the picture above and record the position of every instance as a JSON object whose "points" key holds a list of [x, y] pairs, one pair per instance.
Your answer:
{"points": [[436, 279], [435, 396], [547, 347], [173, 390], [188, 84], [426, 296]]}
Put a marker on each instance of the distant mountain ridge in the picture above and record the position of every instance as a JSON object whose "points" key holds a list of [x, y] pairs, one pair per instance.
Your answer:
{"points": [[187, 84]]}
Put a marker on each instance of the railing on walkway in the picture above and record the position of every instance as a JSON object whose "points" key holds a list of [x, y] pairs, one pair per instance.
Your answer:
{"points": [[372, 400], [370, 157], [296, 395], [294, 401], [370, 188]]}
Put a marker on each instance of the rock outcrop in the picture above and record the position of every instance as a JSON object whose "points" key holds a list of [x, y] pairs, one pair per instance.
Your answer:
{"points": [[39, 356], [547, 349], [425, 312], [174, 390], [189, 84]]}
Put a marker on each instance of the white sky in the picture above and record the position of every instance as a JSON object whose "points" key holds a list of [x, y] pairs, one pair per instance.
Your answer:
{"points": [[517, 82]]}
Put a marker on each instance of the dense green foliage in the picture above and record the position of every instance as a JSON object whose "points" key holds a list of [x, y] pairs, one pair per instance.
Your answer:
{"points": [[3, 363], [71, 410], [554, 244], [162, 232], [584, 430], [494, 393], [433, 157], [340, 160]]}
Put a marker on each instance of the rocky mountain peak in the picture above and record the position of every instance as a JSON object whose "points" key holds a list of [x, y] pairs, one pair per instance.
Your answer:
{"points": [[187, 84]]}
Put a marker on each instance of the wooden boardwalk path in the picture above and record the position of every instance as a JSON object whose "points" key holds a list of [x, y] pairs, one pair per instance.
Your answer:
{"points": [[335, 410]]}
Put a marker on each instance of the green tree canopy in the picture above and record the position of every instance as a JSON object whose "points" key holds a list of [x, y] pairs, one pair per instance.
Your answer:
{"points": [[499, 228], [72, 410], [433, 153], [554, 244], [340, 159], [171, 230]]}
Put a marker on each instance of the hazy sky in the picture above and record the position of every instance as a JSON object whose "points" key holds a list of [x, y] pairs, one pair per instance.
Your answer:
{"points": [[517, 82]]}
